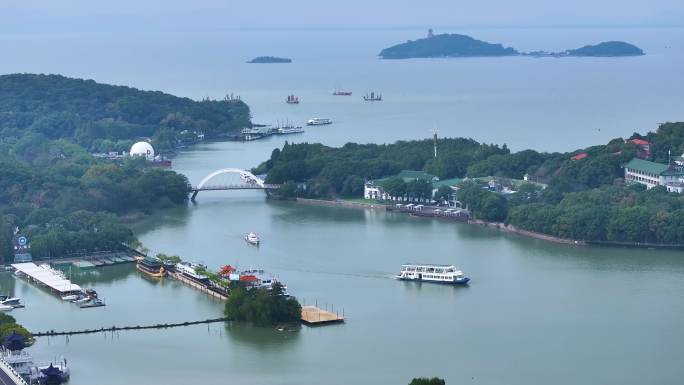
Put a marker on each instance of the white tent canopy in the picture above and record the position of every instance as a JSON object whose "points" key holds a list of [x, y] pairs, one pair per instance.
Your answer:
{"points": [[47, 277]]}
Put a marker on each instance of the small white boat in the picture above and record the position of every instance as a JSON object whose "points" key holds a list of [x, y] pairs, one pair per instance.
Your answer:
{"points": [[6, 308], [318, 122], [252, 238], [70, 297], [82, 300], [13, 302]]}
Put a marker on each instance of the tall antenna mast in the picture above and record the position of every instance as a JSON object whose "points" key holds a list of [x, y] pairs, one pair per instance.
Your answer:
{"points": [[434, 132]]}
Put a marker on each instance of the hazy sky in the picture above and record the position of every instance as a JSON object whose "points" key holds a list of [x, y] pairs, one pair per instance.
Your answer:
{"points": [[45, 15]]}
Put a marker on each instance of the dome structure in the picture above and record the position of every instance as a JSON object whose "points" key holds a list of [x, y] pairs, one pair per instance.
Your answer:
{"points": [[142, 149]]}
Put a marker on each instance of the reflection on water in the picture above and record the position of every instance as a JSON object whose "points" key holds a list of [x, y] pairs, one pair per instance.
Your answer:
{"points": [[262, 338]]}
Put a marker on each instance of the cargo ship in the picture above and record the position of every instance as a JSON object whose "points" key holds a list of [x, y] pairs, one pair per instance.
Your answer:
{"points": [[447, 274], [292, 99]]}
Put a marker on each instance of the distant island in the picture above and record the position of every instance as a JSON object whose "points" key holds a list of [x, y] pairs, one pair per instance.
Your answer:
{"points": [[446, 45], [605, 49], [455, 45], [270, 59], [608, 49]]}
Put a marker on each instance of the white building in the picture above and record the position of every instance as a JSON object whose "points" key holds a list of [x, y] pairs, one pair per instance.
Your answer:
{"points": [[651, 174], [142, 149]]}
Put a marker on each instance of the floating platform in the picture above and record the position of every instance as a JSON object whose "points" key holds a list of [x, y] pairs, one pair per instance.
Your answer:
{"points": [[313, 316], [83, 264]]}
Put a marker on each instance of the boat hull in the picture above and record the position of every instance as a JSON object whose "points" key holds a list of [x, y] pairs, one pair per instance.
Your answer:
{"points": [[463, 281]]}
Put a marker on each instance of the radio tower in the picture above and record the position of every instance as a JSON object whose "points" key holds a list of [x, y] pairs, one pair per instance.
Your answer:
{"points": [[435, 131]]}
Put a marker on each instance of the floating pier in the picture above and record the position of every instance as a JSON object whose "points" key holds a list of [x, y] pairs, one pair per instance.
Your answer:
{"points": [[203, 288], [314, 316]]}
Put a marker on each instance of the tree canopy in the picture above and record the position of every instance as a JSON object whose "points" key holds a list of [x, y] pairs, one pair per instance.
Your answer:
{"points": [[104, 117], [68, 201]]}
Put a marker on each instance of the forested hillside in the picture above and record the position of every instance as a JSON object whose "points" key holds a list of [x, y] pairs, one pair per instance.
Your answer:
{"points": [[585, 198], [68, 201], [97, 116]]}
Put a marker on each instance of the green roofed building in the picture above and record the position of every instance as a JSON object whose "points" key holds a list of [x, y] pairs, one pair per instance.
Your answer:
{"points": [[651, 174]]}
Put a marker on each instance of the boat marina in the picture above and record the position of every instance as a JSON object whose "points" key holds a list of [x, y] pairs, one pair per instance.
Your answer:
{"points": [[45, 276]]}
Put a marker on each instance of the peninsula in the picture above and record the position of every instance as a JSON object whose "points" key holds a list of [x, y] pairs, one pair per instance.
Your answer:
{"points": [[621, 192], [269, 59], [454, 45]]}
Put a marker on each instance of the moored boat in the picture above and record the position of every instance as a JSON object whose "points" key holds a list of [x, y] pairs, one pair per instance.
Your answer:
{"points": [[190, 270], [6, 308], [152, 267], [92, 302], [13, 302], [318, 122], [447, 274], [289, 130], [252, 238]]}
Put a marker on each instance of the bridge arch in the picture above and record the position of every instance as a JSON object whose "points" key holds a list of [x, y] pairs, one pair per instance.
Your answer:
{"points": [[246, 176]]}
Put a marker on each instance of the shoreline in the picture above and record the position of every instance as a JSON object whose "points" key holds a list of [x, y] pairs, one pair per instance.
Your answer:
{"points": [[500, 226]]}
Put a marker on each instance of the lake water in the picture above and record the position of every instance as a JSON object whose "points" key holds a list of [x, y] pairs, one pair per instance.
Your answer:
{"points": [[547, 104], [535, 313]]}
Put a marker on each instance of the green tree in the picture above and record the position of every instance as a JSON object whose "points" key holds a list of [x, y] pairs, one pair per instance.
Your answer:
{"points": [[444, 194]]}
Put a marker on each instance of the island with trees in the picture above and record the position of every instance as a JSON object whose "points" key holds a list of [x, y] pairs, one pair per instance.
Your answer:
{"points": [[446, 45], [263, 307], [269, 59], [102, 117], [456, 45], [607, 49], [582, 195]]}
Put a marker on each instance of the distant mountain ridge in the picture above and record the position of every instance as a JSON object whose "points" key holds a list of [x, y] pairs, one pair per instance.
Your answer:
{"points": [[455, 45]]}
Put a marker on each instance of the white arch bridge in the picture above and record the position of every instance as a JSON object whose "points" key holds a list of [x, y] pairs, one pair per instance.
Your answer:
{"points": [[231, 179]]}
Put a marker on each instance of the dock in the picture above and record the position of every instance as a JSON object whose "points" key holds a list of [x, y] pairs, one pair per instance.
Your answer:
{"points": [[203, 288], [314, 316], [46, 277], [97, 259]]}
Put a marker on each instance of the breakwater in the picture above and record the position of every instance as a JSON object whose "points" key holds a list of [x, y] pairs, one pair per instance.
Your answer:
{"points": [[120, 328]]}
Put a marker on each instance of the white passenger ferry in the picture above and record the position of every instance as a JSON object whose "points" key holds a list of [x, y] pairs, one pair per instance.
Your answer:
{"points": [[432, 273], [190, 270], [318, 122]]}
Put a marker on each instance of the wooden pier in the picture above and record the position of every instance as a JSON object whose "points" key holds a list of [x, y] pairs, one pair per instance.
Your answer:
{"points": [[314, 316], [203, 288]]}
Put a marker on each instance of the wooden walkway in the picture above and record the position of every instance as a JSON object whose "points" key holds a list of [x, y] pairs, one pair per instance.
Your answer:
{"points": [[313, 316], [204, 289]]}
